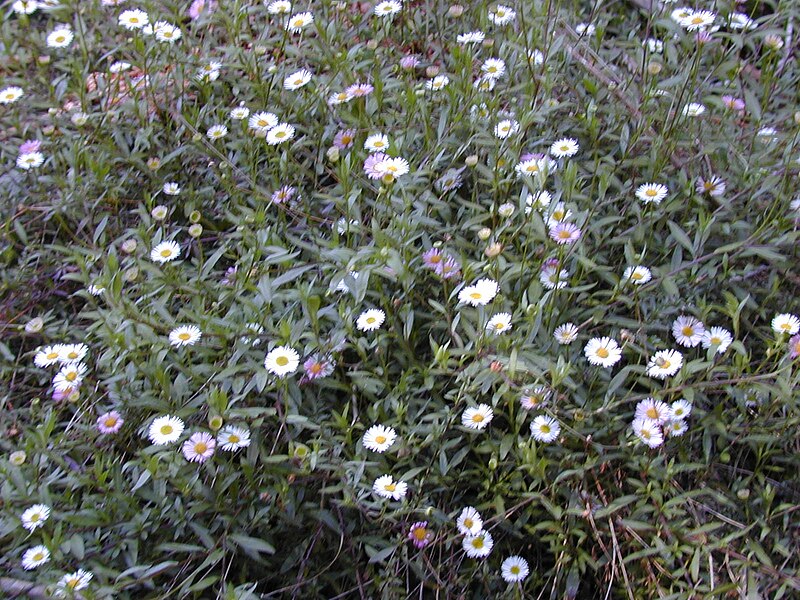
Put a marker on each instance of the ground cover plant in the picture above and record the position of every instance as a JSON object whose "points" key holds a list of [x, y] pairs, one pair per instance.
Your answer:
{"points": [[388, 299]]}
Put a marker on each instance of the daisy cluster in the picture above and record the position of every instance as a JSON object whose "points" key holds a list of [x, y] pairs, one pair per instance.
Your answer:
{"points": [[340, 273]]}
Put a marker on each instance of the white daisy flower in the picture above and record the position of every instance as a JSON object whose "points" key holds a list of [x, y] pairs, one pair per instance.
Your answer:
{"points": [[386, 487], [60, 38], [545, 429], [648, 431], [171, 188], [297, 22], [719, 337], [493, 68], [680, 409], [133, 19], [564, 148], [664, 363], [377, 142], [688, 331], [239, 113], [437, 83], [279, 7], [479, 545], [676, 428], [165, 252], [786, 323], [35, 557], [506, 128], [166, 32], [388, 8], [282, 132], [379, 438], [282, 361], [371, 319], [652, 409], [499, 323], [566, 334], [652, 192], [262, 121], [471, 37], [538, 201], [49, 355], [637, 275], [693, 109], [165, 430], [231, 438], [216, 132], [30, 160], [469, 522], [10, 94], [603, 351], [297, 80], [185, 335], [70, 376], [514, 569], [71, 583], [35, 516], [697, 20], [480, 293], [502, 15], [68, 353], [478, 417]]}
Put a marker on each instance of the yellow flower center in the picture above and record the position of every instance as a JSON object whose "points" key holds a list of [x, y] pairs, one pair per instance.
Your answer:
{"points": [[716, 340], [545, 428], [602, 353], [280, 134], [515, 570], [687, 330], [380, 439], [651, 192], [390, 487], [233, 438], [110, 422], [420, 533], [184, 336], [477, 418], [652, 413], [71, 376], [475, 295], [468, 523], [370, 320], [200, 447], [52, 355], [166, 429], [477, 543], [34, 517], [38, 556], [282, 361], [166, 253]]}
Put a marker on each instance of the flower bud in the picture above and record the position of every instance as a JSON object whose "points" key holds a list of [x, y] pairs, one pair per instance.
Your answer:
{"points": [[129, 246], [456, 10], [493, 250], [195, 216], [34, 325], [159, 213], [372, 44], [654, 68], [484, 234], [215, 422], [17, 458], [471, 160], [432, 71], [333, 154], [196, 230], [153, 163]]}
